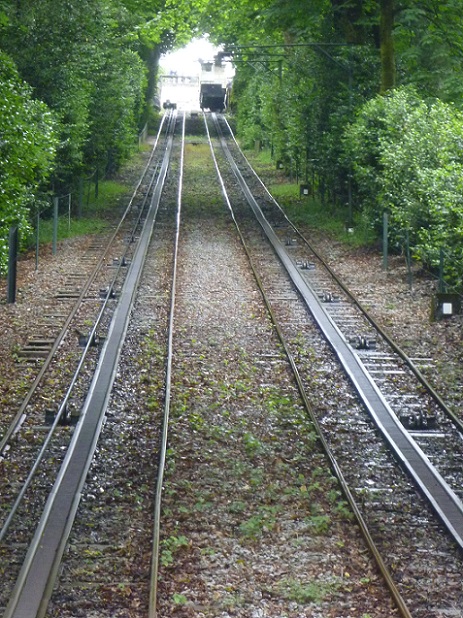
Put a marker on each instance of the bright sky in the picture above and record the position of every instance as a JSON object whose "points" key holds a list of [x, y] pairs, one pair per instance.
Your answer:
{"points": [[185, 61]]}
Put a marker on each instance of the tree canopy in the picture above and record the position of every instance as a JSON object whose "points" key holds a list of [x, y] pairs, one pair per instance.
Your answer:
{"points": [[28, 144], [77, 79], [307, 77], [322, 85]]}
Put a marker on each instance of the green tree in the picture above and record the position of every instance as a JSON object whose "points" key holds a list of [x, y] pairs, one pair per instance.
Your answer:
{"points": [[27, 151], [80, 58], [115, 109], [428, 39], [161, 25], [407, 158], [56, 46], [386, 26]]}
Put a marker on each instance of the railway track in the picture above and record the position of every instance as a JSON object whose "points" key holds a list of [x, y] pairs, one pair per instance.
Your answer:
{"points": [[168, 341], [422, 422], [72, 455], [390, 384]]}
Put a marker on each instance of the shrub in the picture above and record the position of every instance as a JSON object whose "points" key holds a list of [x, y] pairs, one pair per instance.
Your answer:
{"points": [[27, 151], [407, 157]]}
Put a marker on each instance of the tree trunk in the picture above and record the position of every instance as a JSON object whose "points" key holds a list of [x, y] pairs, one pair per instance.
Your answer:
{"points": [[387, 45], [151, 56]]}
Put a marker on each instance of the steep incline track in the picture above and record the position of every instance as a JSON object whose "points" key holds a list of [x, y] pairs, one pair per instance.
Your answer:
{"points": [[350, 349], [227, 353], [445, 501], [33, 587]]}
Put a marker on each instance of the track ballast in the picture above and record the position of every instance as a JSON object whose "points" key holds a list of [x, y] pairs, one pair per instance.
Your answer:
{"points": [[236, 410]]}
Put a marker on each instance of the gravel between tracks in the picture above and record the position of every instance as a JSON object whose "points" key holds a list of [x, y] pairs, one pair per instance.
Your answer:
{"points": [[403, 312]]}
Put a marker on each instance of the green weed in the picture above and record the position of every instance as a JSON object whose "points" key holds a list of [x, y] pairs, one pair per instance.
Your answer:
{"points": [[305, 592], [320, 524], [252, 445], [256, 525], [170, 547]]}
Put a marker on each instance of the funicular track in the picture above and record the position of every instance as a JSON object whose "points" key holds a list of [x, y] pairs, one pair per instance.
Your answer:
{"points": [[34, 582], [214, 336], [99, 284], [409, 415], [385, 500], [194, 351]]}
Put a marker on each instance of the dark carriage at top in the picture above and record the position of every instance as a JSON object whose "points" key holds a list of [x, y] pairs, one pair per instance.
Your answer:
{"points": [[213, 85]]}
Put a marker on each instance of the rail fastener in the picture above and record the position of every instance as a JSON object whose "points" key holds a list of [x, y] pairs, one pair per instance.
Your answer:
{"points": [[360, 342], [329, 297], [305, 265], [93, 339], [107, 293], [418, 421], [291, 242], [123, 262], [68, 417]]}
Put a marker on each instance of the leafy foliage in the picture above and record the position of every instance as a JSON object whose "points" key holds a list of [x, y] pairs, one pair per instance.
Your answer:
{"points": [[303, 69], [69, 52], [407, 157], [91, 66], [115, 109], [429, 47], [27, 151], [305, 72]]}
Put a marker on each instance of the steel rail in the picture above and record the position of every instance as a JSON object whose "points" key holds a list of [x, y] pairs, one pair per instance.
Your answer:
{"points": [[39, 458], [20, 416], [397, 349], [154, 574], [62, 407], [443, 500], [35, 582], [398, 599]]}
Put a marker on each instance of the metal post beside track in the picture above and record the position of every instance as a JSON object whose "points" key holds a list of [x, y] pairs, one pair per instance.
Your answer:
{"points": [[55, 224], [12, 263]]}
